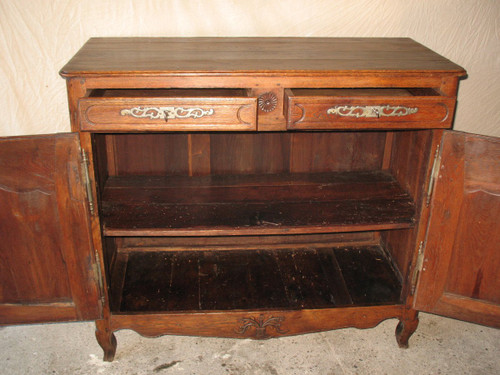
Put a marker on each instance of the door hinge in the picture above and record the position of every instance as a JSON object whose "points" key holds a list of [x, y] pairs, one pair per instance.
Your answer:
{"points": [[97, 271], [418, 267], [86, 178], [434, 174]]}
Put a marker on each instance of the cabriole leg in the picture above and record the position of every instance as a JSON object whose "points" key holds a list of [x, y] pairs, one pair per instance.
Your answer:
{"points": [[106, 339], [406, 326]]}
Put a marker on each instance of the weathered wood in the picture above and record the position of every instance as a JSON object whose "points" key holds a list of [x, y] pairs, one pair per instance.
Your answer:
{"points": [[161, 56], [256, 279], [254, 204], [460, 273], [261, 324], [25, 313], [146, 154], [220, 243], [200, 198], [407, 325], [46, 250], [336, 151], [368, 275], [168, 111], [411, 164], [367, 109], [199, 154]]}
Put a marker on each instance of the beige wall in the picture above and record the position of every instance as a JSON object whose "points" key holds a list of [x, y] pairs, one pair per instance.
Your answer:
{"points": [[38, 36]]}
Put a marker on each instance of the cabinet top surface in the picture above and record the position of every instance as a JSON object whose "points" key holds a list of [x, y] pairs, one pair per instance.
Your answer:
{"points": [[178, 56]]}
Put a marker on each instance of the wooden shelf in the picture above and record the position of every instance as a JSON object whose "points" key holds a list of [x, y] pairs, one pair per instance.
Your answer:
{"points": [[255, 204], [303, 278]]}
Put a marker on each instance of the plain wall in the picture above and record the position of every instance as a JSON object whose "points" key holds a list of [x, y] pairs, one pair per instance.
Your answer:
{"points": [[37, 37]]}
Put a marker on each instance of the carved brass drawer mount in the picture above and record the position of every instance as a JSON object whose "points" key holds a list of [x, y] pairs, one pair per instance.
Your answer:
{"points": [[371, 111], [166, 112]]}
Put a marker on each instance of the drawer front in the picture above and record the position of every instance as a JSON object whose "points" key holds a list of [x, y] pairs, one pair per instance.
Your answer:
{"points": [[367, 112], [168, 114]]}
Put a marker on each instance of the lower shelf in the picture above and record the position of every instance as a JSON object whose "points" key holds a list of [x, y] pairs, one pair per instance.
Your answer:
{"points": [[286, 279]]}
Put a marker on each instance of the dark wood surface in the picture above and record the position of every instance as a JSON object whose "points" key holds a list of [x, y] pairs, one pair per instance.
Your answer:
{"points": [[410, 164], [225, 110], [309, 109], [169, 93], [255, 204], [159, 56], [241, 153], [462, 254], [46, 253], [257, 279], [259, 324], [223, 243]]}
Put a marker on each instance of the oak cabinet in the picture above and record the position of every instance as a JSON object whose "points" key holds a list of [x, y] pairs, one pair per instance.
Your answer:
{"points": [[251, 187]]}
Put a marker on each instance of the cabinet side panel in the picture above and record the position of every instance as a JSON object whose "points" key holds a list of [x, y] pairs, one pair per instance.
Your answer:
{"points": [[104, 165], [409, 165]]}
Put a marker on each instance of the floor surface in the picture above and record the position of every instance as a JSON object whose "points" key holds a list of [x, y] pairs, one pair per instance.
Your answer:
{"points": [[439, 346]]}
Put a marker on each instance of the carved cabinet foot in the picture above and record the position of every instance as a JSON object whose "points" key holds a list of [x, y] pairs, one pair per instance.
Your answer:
{"points": [[106, 339], [405, 329]]}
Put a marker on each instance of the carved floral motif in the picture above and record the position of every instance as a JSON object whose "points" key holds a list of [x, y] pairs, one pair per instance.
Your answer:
{"points": [[260, 324], [267, 102]]}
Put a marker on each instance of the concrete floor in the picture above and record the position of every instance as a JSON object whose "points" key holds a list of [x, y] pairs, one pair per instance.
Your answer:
{"points": [[440, 346]]}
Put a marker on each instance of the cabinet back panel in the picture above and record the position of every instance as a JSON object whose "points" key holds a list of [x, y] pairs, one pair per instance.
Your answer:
{"points": [[242, 153], [344, 151], [249, 153], [148, 154]]}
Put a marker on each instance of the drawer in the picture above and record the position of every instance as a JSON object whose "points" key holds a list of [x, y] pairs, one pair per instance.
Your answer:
{"points": [[393, 108], [168, 110]]}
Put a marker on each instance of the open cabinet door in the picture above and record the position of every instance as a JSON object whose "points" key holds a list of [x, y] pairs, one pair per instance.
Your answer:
{"points": [[460, 275], [47, 263]]}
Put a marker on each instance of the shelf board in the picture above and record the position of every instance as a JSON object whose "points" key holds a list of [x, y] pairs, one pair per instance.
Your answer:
{"points": [[304, 278], [255, 204]]}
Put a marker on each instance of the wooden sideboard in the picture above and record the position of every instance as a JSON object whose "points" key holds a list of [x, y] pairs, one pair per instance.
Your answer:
{"points": [[252, 188]]}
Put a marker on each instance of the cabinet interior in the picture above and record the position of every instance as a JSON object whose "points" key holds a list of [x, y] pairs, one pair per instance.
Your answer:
{"points": [[374, 91], [304, 219], [168, 93]]}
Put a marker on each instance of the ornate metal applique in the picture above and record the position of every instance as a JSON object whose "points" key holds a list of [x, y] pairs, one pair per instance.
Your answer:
{"points": [[261, 325], [371, 111], [166, 112]]}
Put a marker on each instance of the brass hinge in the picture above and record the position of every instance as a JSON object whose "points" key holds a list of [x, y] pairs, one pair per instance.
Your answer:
{"points": [[418, 267], [86, 177], [434, 174]]}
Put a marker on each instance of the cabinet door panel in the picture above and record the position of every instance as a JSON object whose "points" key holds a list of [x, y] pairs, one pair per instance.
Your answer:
{"points": [[46, 255], [460, 274]]}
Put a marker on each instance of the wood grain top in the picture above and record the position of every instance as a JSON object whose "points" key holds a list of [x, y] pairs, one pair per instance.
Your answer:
{"points": [[178, 56]]}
